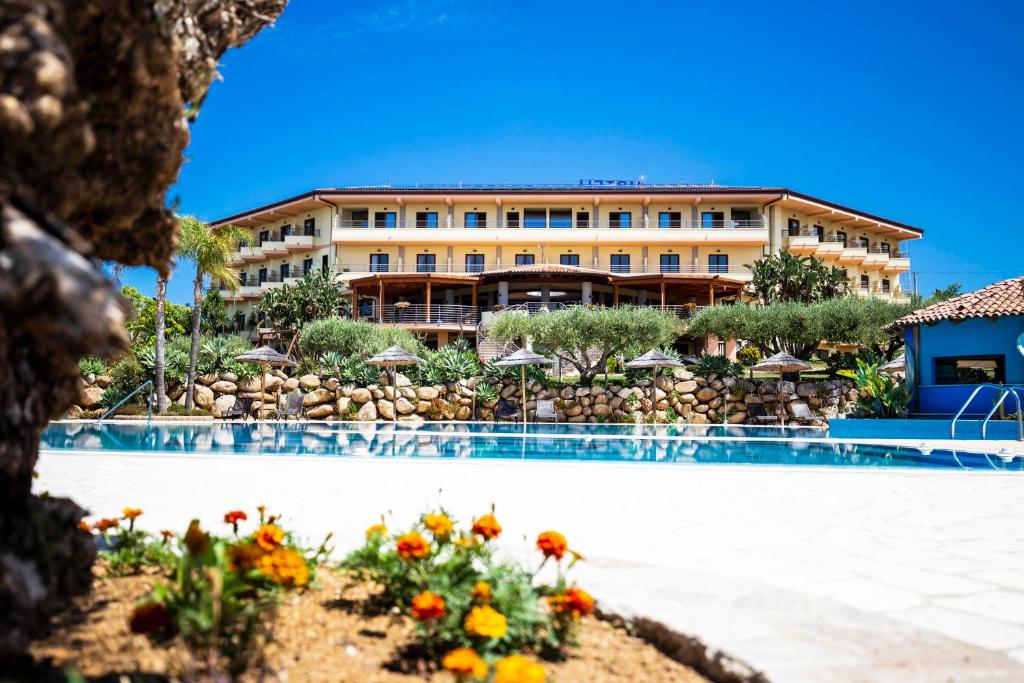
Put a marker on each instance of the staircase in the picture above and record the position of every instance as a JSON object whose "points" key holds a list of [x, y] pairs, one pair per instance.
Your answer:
{"points": [[488, 349]]}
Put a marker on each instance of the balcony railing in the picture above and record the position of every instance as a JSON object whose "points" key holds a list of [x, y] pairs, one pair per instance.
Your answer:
{"points": [[652, 223], [421, 314], [462, 268], [272, 237]]}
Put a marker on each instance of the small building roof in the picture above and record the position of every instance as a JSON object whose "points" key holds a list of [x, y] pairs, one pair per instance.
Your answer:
{"points": [[995, 301]]}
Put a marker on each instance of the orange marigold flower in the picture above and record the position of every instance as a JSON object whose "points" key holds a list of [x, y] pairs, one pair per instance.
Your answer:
{"points": [[487, 526], [575, 601], [284, 566], [466, 541], [195, 538], [167, 534], [131, 513], [518, 669], [235, 516], [268, 536], [486, 622], [243, 556], [376, 529], [439, 525], [412, 546], [463, 661], [106, 523], [84, 525], [482, 591], [552, 544], [149, 617], [427, 605]]}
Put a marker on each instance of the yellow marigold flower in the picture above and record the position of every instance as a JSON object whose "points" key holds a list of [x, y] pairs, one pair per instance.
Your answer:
{"points": [[482, 591], [466, 541], [518, 669], [487, 526], [486, 623], [284, 566], [439, 525], [376, 529], [268, 536], [131, 513], [463, 661], [552, 544], [412, 546]]}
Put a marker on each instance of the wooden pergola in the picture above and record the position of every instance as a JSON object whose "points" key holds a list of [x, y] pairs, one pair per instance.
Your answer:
{"points": [[697, 285], [382, 282]]}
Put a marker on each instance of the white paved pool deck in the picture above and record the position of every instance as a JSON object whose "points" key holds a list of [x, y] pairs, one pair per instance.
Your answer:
{"points": [[807, 573]]}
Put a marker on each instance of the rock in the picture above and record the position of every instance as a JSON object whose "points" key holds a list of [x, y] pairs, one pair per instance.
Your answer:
{"points": [[401, 380], [600, 400], [407, 392], [389, 392], [601, 410], [74, 413], [385, 408], [103, 381], [291, 384], [698, 419], [715, 402], [222, 404], [567, 393], [332, 384], [309, 382], [807, 389], [701, 408], [361, 395], [229, 377], [682, 373], [376, 393], [347, 389], [320, 412], [737, 418], [90, 397], [342, 405], [509, 391], [717, 385], [576, 419], [249, 385], [426, 393], [786, 388], [687, 387], [202, 396], [463, 413], [317, 397], [573, 411], [224, 387], [255, 395], [422, 406], [583, 391], [367, 413], [706, 394], [403, 406], [273, 381]]}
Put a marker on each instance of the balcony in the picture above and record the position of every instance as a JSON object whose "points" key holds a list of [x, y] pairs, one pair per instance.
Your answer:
{"points": [[246, 290], [804, 242], [270, 281], [422, 315], [248, 254], [899, 262], [876, 257], [830, 247], [273, 245], [852, 254], [635, 223], [354, 269], [302, 239]]}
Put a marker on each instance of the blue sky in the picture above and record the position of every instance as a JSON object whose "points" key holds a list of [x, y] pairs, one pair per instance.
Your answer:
{"points": [[908, 110]]}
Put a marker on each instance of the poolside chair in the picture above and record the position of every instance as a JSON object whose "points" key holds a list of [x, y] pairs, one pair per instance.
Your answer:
{"points": [[802, 413], [546, 411], [242, 408], [505, 410], [292, 405], [757, 411]]}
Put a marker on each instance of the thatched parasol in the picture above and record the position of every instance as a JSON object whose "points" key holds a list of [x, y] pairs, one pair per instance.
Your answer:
{"points": [[654, 359], [265, 356], [522, 358], [895, 365], [391, 358], [691, 360], [782, 363]]}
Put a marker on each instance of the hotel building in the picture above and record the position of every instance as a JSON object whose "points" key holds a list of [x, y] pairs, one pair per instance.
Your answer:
{"points": [[438, 259]]}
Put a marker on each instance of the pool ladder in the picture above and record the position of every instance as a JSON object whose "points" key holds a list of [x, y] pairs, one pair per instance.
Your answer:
{"points": [[149, 401], [1004, 391]]}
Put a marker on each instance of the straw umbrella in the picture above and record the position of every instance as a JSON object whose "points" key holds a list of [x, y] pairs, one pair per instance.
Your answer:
{"points": [[265, 356], [781, 363], [895, 365], [522, 358], [654, 359], [391, 358]]}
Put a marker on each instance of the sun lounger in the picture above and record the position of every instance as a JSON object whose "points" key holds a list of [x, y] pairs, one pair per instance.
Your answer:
{"points": [[506, 410], [292, 405], [546, 411], [757, 411], [242, 408]]}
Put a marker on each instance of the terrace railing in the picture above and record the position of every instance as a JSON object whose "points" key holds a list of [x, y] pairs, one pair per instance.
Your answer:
{"points": [[635, 222], [422, 314]]}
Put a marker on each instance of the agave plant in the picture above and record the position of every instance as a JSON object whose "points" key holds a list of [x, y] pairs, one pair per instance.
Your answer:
{"points": [[450, 364], [719, 365], [332, 361]]}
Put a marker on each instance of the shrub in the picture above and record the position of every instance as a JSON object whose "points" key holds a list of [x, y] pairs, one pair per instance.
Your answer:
{"points": [[496, 373], [718, 365], [880, 395], [486, 393], [450, 364], [331, 361], [130, 549], [355, 370], [355, 338], [634, 375], [838, 362], [91, 366], [126, 375], [748, 355]]}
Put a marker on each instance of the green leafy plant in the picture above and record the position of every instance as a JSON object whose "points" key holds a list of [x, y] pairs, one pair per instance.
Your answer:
{"points": [[837, 362], [129, 550], [880, 396], [355, 338], [450, 363], [748, 355], [635, 375], [91, 366], [496, 373], [356, 371], [486, 393], [717, 365], [332, 361]]}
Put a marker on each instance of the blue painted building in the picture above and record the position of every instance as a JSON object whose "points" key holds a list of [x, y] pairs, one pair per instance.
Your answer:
{"points": [[957, 344]]}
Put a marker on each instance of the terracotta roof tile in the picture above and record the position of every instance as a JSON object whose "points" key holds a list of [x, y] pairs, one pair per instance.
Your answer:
{"points": [[997, 300]]}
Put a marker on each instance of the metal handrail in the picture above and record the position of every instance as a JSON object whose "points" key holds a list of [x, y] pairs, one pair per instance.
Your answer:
{"points": [[149, 401], [1003, 389]]}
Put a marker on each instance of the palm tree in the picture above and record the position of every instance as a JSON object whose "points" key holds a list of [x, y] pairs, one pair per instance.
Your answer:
{"points": [[160, 324], [211, 251]]}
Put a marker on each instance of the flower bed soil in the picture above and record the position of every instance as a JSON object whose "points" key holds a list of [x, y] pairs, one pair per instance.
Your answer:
{"points": [[328, 633]]}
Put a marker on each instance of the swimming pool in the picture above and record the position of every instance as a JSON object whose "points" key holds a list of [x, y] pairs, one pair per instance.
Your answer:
{"points": [[720, 444]]}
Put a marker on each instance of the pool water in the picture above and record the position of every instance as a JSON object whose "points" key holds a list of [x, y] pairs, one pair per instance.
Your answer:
{"points": [[606, 443]]}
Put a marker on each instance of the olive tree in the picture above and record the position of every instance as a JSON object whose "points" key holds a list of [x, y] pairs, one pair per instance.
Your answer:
{"points": [[586, 338]]}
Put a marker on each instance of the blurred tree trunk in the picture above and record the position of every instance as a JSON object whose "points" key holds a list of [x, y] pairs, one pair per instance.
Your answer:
{"points": [[161, 334], [193, 350]]}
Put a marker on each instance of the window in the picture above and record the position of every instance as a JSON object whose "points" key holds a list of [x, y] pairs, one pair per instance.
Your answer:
{"points": [[862, 242], [865, 282], [535, 218], [474, 263], [718, 263], [378, 263], [361, 219], [885, 286], [512, 219], [324, 263], [841, 237], [970, 370], [569, 259], [264, 236], [670, 263], [524, 259], [669, 219], [263, 275], [620, 263], [582, 219], [426, 219], [561, 218], [884, 247], [307, 266], [741, 218], [819, 230], [476, 219], [721, 348], [794, 227], [286, 230], [242, 277], [426, 263], [712, 219], [384, 219], [309, 227], [620, 219], [284, 271]]}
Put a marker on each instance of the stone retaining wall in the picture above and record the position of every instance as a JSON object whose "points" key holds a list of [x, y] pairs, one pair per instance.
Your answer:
{"points": [[681, 397]]}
